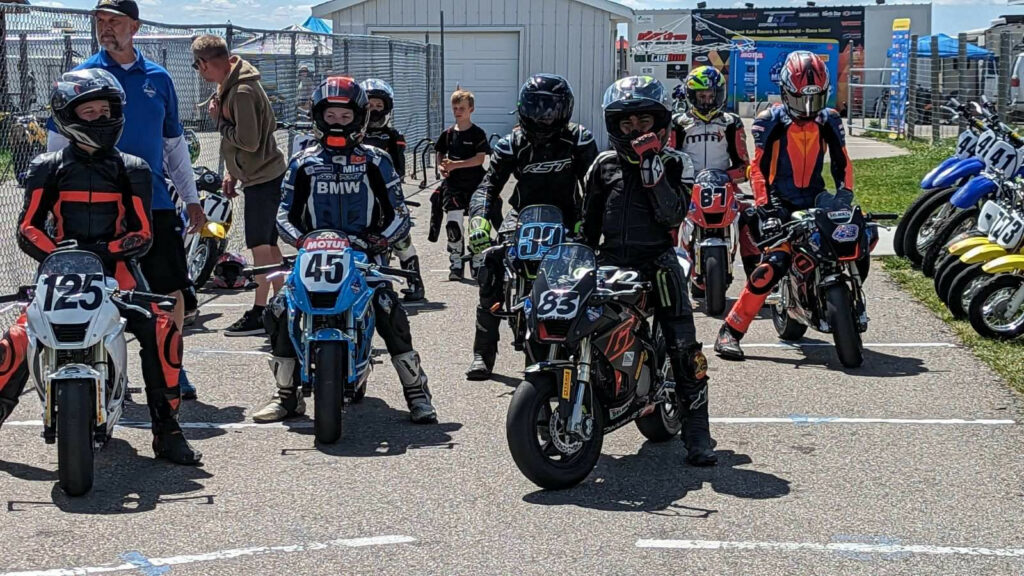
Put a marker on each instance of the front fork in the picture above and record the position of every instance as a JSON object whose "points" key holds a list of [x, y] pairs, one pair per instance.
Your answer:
{"points": [[578, 422], [1015, 302]]}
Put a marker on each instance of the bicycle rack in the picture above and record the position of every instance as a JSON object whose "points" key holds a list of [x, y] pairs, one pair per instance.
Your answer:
{"points": [[423, 159], [416, 153]]}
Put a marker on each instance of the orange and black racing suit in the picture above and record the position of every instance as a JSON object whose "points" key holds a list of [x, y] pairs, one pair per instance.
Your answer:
{"points": [[103, 203], [786, 176]]}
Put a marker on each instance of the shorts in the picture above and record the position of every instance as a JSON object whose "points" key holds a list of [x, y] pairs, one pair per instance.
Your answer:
{"points": [[164, 265], [261, 204]]}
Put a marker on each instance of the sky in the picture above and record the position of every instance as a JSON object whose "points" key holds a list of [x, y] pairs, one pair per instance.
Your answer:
{"points": [[948, 16]]}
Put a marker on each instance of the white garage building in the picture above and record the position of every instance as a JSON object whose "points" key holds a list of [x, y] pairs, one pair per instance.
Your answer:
{"points": [[492, 46]]}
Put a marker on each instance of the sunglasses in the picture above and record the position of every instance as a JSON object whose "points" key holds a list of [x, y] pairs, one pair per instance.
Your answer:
{"points": [[195, 63]]}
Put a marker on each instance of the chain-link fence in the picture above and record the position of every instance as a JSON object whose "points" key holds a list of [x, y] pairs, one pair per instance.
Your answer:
{"points": [[40, 43]]}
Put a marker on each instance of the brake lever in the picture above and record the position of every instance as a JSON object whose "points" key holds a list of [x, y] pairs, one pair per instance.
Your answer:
{"points": [[126, 306]]}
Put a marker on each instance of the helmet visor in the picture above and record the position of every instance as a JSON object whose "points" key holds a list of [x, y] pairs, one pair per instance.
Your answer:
{"points": [[545, 109], [804, 105]]}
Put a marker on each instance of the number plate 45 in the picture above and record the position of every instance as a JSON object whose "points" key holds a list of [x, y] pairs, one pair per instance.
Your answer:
{"points": [[323, 271]]}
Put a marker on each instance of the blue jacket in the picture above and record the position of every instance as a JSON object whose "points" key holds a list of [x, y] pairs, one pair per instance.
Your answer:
{"points": [[150, 114], [358, 193]]}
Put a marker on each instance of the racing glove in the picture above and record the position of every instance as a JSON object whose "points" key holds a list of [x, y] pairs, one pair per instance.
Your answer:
{"points": [[479, 234]]}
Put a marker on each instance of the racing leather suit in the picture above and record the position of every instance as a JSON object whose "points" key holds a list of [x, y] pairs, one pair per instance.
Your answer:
{"points": [[550, 173], [786, 176], [719, 144], [357, 192], [630, 225], [102, 202]]}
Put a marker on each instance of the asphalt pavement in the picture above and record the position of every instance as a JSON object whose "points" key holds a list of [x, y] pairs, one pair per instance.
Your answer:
{"points": [[908, 465]]}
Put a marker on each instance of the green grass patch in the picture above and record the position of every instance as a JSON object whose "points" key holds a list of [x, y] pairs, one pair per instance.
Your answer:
{"points": [[891, 184], [1004, 358]]}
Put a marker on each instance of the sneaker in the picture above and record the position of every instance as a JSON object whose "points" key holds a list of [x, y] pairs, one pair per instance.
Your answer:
{"points": [[188, 391], [251, 324]]}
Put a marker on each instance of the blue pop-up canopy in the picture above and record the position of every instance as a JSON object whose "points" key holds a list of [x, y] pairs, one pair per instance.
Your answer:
{"points": [[318, 25], [950, 47]]}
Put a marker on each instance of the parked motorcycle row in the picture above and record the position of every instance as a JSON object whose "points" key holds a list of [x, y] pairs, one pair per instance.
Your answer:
{"points": [[966, 228], [594, 359]]}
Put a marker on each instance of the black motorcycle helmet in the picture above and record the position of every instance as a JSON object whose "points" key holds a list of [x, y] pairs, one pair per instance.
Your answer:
{"points": [[633, 96], [545, 106], [375, 88], [81, 86], [342, 92]]}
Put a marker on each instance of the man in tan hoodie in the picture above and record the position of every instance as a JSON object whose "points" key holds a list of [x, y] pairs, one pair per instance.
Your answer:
{"points": [[246, 123]]}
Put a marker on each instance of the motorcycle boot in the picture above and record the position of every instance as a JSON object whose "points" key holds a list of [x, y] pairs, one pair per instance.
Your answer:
{"points": [[485, 345], [287, 401], [727, 345], [690, 368], [415, 290], [170, 444], [414, 387]]}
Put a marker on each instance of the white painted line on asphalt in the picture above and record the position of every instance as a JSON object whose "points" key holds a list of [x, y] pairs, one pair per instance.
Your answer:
{"points": [[211, 352], [151, 563], [794, 419], [798, 345], [223, 305], [856, 547], [800, 419]]}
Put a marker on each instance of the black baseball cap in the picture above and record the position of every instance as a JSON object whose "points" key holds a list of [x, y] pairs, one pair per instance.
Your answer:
{"points": [[123, 7]]}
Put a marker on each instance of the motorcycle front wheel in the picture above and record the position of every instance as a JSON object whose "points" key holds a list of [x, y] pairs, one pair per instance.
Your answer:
{"points": [[74, 436], [989, 308], [920, 222], [205, 259], [540, 446], [849, 346], [961, 221], [328, 392], [962, 289], [716, 276]]}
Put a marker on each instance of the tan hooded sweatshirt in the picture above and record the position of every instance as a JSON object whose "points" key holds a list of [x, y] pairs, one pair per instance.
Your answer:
{"points": [[247, 127]]}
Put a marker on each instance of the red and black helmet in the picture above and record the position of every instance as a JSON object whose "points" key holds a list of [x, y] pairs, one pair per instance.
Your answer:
{"points": [[804, 84], [341, 92]]}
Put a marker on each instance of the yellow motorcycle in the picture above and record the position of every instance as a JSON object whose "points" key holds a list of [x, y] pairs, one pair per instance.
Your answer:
{"points": [[996, 309], [204, 248]]}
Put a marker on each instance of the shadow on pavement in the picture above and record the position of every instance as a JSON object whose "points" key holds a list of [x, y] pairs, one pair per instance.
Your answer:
{"points": [[656, 477], [372, 428], [876, 364], [125, 482], [421, 307]]}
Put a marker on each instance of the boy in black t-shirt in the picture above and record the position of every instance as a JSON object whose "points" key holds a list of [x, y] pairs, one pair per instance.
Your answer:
{"points": [[461, 151]]}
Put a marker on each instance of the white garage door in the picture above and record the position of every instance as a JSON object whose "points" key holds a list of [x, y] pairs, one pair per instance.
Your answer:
{"points": [[485, 63]]}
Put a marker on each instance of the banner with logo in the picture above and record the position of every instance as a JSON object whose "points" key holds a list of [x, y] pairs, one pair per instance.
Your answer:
{"points": [[899, 56], [842, 26], [755, 72]]}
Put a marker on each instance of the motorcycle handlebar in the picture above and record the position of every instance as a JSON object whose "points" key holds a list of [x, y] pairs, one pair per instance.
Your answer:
{"points": [[165, 303]]}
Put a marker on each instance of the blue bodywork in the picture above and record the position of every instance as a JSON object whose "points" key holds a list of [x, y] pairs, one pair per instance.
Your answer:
{"points": [[971, 193], [351, 306], [957, 172], [928, 182]]}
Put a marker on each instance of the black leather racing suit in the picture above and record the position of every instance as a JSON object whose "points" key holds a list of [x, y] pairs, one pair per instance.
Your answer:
{"points": [[551, 173]]}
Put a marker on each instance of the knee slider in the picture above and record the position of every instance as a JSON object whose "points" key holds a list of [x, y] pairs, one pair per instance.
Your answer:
{"points": [[454, 231]]}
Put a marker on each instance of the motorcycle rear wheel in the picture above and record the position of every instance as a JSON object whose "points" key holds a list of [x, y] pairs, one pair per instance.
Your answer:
{"points": [[987, 308], [75, 419], [528, 432], [716, 280], [839, 307], [961, 221], [666, 421], [788, 328], [328, 392]]}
